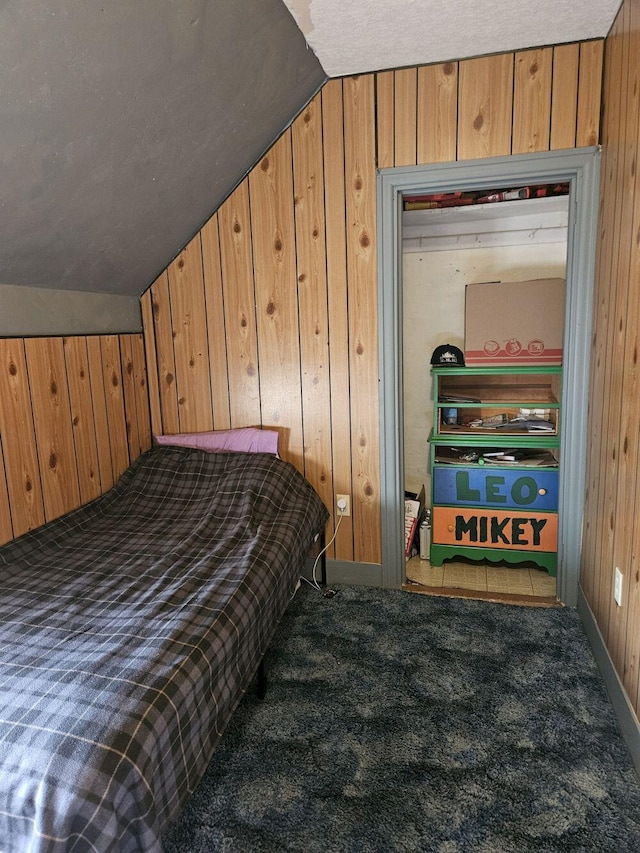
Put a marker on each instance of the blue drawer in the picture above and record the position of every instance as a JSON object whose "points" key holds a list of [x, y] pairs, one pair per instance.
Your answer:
{"points": [[514, 488]]}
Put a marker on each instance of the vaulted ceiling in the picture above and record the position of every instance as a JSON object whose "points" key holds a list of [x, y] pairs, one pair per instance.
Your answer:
{"points": [[124, 125]]}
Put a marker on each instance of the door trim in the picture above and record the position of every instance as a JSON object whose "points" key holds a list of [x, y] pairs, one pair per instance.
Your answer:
{"points": [[581, 168]]}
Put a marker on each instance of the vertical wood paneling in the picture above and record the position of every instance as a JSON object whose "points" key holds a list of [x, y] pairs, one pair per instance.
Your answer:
{"points": [[18, 439], [406, 116], [360, 184], [151, 357], [385, 118], [624, 414], [82, 417], [114, 399], [276, 297], [589, 89], [485, 101], [101, 419], [6, 528], [52, 421], [216, 333], [130, 397], [437, 112], [308, 184], [272, 287], [188, 320], [612, 530], [532, 101], [564, 96], [236, 256], [141, 391], [161, 306], [338, 307], [628, 502], [57, 432]]}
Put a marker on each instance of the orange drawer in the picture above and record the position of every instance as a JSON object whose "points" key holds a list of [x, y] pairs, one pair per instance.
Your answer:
{"points": [[524, 531]]}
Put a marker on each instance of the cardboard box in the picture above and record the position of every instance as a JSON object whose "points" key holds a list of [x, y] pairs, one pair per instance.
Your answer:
{"points": [[514, 322]]}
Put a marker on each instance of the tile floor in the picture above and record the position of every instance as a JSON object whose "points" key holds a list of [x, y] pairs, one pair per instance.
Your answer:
{"points": [[486, 579]]}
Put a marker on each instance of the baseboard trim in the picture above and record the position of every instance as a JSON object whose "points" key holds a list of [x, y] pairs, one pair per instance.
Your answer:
{"points": [[624, 711], [350, 574]]}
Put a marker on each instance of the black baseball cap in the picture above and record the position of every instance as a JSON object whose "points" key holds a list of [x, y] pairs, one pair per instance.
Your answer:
{"points": [[446, 355]]}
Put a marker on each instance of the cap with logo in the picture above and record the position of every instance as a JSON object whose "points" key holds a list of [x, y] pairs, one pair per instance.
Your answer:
{"points": [[446, 355]]}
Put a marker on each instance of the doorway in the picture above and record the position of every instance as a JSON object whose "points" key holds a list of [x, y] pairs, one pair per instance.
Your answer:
{"points": [[578, 167]]}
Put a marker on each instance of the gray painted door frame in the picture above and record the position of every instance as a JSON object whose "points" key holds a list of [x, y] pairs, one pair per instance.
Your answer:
{"points": [[581, 168]]}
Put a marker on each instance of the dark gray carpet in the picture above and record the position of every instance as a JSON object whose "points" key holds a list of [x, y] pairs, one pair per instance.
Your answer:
{"points": [[403, 722]]}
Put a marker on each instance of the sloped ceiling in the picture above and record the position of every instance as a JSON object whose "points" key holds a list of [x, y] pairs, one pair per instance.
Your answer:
{"points": [[123, 125]]}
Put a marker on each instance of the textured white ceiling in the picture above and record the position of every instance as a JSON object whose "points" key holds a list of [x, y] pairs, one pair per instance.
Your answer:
{"points": [[356, 36]]}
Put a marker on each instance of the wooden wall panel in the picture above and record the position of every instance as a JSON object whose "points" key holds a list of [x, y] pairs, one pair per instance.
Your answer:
{"points": [[612, 528], [19, 447], [589, 90], [101, 418], [406, 116], [151, 374], [308, 185], [84, 433], [385, 117], [485, 106], [360, 196], [564, 105], [53, 428], [140, 390], [289, 260], [216, 333], [165, 354], [437, 112], [532, 101], [61, 442], [240, 308], [273, 230], [338, 306], [190, 341], [6, 528]]}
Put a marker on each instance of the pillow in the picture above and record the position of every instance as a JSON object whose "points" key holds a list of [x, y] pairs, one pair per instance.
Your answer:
{"points": [[243, 440]]}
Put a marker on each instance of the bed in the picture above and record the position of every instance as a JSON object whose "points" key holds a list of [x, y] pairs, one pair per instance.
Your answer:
{"points": [[129, 631]]}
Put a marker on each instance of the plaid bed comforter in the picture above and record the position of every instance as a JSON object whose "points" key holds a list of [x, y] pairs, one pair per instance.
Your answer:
{"points": [[129, 630]]}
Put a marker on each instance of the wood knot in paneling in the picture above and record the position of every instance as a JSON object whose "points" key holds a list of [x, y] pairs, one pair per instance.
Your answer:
{"points": [[13, 370], [53, 387], [53, 460], [302, 278], [365, 242], [181, 264], [368, 490], [271, 309], [237, 228], [114, 380], [448, 69], [251, 371], [277, 245], [264, 165], [243, 322], [28, 485], [358, 183], [478, 122], [169, 378], [360, 348]]}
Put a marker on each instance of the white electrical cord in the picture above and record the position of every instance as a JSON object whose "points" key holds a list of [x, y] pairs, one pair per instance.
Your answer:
{"points": [[314, 583]]}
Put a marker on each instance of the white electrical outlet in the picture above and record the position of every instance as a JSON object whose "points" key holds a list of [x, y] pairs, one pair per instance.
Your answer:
{"points": [[343, 505], [617, 587]]}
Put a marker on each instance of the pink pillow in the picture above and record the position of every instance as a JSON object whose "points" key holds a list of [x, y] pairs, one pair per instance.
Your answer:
{"points": [[243, 439]]}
